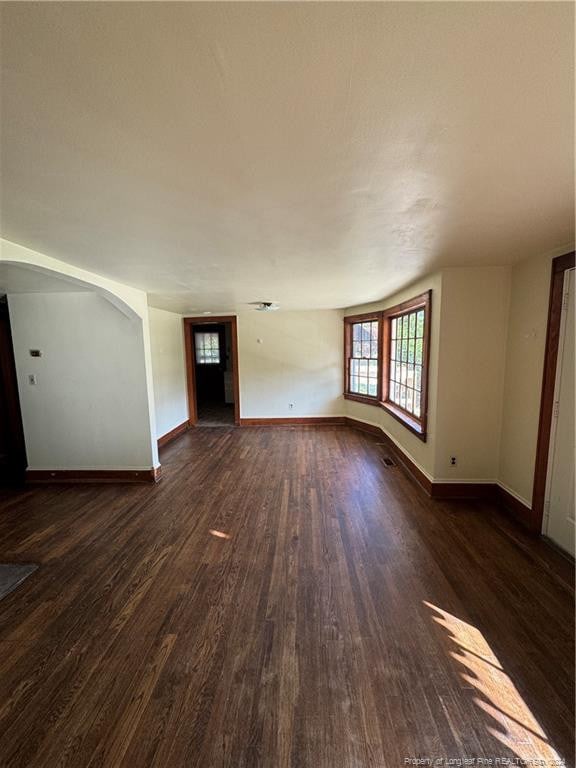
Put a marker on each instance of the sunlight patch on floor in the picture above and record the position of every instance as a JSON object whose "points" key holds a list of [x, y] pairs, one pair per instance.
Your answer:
{"points": [[219, 534], [508, 718]]}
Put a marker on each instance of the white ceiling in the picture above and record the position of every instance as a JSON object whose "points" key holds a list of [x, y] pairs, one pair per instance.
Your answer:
{"points": [[311, 154]]}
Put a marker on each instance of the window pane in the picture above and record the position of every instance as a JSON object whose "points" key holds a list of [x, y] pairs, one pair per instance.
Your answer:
{"points": [[364, 364], [411, 351], [405, 327], [419, 345], [402, 400], [393, 328], [420, 324], [412, 331], [416, 403], [410, 376], [207, 347], [418, 378], [404, 355], [409, 399]]}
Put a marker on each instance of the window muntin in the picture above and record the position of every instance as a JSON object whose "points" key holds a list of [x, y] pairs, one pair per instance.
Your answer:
{"points": [[207, 347], [406, 362], [363, 363]]}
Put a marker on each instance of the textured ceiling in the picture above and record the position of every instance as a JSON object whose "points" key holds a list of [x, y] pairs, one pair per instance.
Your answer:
{"points": [[311, 154]]}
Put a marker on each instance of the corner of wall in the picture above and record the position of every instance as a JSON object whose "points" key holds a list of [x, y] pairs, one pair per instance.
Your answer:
{"points": [[129, 301]]}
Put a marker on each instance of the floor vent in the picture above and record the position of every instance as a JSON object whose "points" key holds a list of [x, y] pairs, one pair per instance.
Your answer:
{"points": [[389, 462]]}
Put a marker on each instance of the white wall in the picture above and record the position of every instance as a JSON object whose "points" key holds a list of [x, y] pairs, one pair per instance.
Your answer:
{"points": [[467, 354], [290, 357], [284, 357], [527, 322], [130, 301], [471, 372], [168, 369], [421, 453], [487, 351], [90, 407]]}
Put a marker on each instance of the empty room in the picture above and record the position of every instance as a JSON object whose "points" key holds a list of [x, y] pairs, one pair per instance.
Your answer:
{"points": [[287, 384]]}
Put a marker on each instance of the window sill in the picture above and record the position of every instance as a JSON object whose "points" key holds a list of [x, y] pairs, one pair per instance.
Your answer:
{"points": [[414, 426], [367, 399]]}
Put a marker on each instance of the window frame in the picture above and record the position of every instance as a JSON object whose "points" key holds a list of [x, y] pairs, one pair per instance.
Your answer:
{"points": [[368, 317], [416, 424]]}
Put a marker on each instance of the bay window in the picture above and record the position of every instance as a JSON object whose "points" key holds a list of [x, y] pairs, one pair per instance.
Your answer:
{"points": [[386, 359]]}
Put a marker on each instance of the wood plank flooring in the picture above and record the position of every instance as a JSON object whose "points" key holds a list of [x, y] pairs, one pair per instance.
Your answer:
{"points": [[281, 598]]}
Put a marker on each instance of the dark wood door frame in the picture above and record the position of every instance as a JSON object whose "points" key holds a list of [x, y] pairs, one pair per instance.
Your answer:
{"points": [[189, 324], [559, 266]]}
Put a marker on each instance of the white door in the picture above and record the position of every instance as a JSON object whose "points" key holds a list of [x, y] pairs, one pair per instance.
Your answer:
{"points": [[559, 506]]}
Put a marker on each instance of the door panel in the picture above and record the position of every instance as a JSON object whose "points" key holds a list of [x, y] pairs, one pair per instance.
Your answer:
{"points": [[559, 525]]}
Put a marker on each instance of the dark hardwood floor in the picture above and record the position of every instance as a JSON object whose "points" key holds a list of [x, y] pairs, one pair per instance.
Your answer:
{"points": [[280, 598]]}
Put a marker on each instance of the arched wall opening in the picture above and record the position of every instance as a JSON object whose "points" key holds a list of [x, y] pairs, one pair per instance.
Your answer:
{"points": [[84, 380]]}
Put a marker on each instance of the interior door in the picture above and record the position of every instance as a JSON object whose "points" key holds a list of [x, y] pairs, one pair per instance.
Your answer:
{"points": [[559, 504]]}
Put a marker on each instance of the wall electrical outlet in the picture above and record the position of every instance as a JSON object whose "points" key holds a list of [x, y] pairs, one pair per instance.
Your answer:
{"points": [[290, 406], [31, 378], [453, 461]]}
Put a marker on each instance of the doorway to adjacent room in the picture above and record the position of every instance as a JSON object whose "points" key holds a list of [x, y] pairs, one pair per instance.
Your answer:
{"points": [[212, 371]]}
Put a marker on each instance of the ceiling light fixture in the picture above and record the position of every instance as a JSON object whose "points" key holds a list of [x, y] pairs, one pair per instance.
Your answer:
{"points": [[266, 306]]}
